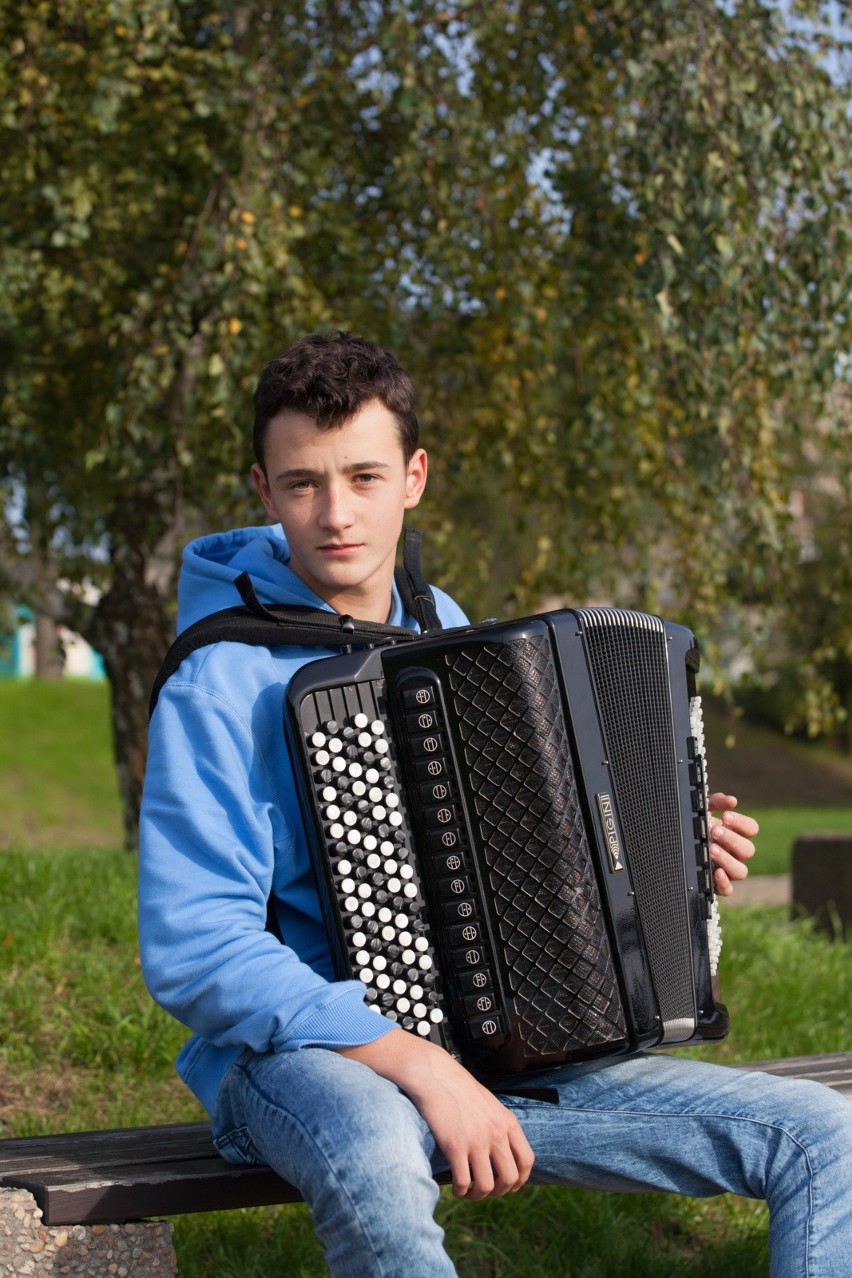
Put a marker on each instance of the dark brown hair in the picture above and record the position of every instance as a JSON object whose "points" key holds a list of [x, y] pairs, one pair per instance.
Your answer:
{"points": [[330, 377]]}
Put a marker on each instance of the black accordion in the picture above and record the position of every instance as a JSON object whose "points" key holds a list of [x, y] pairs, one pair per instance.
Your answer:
{"points": [[510, 835]]}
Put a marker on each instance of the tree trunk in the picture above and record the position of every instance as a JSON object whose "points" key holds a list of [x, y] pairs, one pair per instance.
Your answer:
{"points": [[49, 653], [131, 629]]}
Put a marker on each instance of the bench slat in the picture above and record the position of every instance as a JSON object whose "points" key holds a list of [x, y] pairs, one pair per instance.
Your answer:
{"points": [[140, 1193], [133, 1173], [72, 1150], [833, 1069]]}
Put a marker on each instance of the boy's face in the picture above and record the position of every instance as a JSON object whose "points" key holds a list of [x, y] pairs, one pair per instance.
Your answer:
{"points": [[340, 495]]}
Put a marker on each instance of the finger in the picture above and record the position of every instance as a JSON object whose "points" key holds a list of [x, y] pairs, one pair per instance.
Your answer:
{"points": [[731, 866], [741, 823], [724, 804], [507, 1173], [720, 802], [724, 839], [524, 1157], [723, 885], [482, 1178], [461, 1174]]}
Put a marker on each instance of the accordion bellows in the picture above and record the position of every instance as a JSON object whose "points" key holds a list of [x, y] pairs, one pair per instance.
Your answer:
{"points": [[510, 835]]}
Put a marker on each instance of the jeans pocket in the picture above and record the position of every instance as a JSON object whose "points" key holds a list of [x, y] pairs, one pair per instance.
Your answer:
{"points": [[235, 1146]]}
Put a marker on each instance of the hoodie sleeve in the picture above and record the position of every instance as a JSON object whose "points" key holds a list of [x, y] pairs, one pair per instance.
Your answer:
{"points": [[208, 847]]}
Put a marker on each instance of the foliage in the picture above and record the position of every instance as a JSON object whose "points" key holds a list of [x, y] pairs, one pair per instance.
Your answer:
{"points": [[613, 261], [806, 675]]}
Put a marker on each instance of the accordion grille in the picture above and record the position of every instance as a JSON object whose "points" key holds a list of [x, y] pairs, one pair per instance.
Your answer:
{"points": [[629, 664], [556, 949]]}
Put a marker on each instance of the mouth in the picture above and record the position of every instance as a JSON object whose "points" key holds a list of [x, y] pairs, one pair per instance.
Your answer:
{"points": [[334, 549]]}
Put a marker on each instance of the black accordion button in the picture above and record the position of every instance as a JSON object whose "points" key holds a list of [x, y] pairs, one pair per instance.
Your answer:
{"points": [[417, 697], [489, 1026]]}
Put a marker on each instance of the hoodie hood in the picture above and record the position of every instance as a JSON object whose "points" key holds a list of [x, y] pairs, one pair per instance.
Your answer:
{"points": [[212, 564]]}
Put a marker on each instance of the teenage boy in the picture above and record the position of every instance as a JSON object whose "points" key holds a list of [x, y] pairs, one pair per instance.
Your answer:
{"points": [[295, 1070]]}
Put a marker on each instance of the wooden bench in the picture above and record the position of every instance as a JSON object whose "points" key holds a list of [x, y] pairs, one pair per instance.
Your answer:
{"points": [[136, 1173]]}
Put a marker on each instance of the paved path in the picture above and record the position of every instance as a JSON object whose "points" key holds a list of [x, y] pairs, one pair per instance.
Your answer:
{"points": [[760, 889]]}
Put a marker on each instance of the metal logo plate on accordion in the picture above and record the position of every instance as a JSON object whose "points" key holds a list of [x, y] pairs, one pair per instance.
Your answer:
{"points": [[509, 833]]}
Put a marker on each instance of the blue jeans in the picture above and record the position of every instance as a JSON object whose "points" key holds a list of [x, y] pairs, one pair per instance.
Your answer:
{"points": [[363, 1158]]}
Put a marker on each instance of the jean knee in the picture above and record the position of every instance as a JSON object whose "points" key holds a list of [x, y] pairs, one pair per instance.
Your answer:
{"points": [[315, 1116], [822, 1120], [355, 1147]]}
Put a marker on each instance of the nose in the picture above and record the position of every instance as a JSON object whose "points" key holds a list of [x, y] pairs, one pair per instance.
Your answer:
{"points": [[335, 511]]}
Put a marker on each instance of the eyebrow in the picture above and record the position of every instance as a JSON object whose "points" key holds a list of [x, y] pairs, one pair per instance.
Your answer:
{"points": [[305, 472]]}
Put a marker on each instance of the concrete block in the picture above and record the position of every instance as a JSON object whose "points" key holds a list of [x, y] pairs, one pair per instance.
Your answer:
{"points": [[822, 881], [29, 1248]]}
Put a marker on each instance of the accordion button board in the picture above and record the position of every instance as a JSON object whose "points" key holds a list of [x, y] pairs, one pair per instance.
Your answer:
{"points": [[376, 904], [510, 838]]}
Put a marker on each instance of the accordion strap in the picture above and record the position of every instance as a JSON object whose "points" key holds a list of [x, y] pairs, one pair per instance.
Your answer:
{"points": [[412, 585], [303, 626], [280, 624]]}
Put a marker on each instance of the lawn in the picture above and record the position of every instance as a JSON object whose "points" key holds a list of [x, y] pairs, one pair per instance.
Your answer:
{"points": [[58, 786]]}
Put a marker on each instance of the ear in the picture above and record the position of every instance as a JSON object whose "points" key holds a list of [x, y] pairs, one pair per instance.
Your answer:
{"points": [[415, 478], [262, 485]]}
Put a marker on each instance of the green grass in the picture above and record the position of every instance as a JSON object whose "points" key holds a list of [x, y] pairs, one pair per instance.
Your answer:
{"points": [[781, 826], [84, 1047], [58, 783], [79, 1029]]}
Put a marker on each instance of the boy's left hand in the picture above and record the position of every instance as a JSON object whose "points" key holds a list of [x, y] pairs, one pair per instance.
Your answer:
{"points": [[731, 835]]}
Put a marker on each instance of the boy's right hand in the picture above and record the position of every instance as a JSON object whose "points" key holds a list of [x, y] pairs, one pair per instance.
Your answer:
{"points": [[481, 1139]]}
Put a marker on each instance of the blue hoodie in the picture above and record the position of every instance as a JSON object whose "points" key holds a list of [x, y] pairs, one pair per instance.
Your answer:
{"points": [[221, 831]]}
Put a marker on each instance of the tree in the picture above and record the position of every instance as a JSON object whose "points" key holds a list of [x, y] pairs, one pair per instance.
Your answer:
{"points": [[613, 262], [804, 681]]}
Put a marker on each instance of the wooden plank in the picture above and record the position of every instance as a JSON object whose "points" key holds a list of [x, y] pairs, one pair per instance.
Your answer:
{"points": [[133, 1173], [833, 1069], [138, 1194], [122, 1145]]}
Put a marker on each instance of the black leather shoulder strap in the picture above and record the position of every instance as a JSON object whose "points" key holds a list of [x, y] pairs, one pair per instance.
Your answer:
{"points": [[412, 585], [255, 623], [302, 627]]}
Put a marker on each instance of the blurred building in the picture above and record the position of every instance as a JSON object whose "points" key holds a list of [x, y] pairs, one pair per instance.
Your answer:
{"points": [[72, 657]]}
